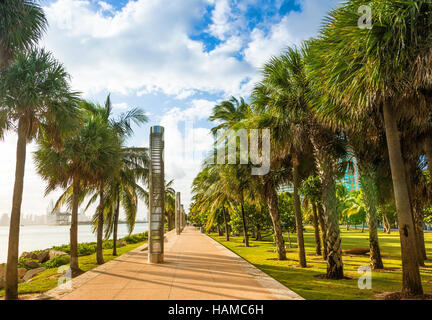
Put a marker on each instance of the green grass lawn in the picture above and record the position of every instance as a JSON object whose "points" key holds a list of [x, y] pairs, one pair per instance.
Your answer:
{"points": [[48, 279], [303, 282]]}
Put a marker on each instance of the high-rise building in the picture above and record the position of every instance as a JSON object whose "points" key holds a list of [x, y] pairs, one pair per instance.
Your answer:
{"points": [[351, 180]]}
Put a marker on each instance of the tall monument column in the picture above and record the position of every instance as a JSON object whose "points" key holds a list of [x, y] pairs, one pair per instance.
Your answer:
{"points": [[156, 196], [177, 214], [183, 220]]}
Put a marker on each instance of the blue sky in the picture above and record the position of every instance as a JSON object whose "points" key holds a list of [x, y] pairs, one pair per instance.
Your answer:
{"points": [[174, 58]]}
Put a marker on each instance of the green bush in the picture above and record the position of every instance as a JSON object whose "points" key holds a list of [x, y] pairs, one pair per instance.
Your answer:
{"points": [[84, 249], [64, 248], [108, 244], [135, 238], [57, 261]]}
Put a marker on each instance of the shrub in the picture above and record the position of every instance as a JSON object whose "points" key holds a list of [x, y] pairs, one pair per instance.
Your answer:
{"points": [[139, 237], [108, 244], [57, 261], [85, 249]]}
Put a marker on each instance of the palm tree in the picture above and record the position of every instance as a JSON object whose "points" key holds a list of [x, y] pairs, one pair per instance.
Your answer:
{"points": [[311, 191], [367, 140], [286, 86], [76, 168], [22, 23], [229, 113], [35, 92], [122, 127], [209, 195], [123, 190], [380, 69], [170, 204]]}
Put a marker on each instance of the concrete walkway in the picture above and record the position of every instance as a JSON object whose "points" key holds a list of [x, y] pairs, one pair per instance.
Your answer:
{"points": [[196, 268]]}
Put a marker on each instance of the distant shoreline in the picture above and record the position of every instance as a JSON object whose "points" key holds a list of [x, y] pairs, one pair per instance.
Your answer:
{"points": [[79, 223]]}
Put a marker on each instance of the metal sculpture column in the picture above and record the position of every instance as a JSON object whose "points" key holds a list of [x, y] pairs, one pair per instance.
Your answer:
{"points": [[177, 214], [157, 195], [183, 224]]}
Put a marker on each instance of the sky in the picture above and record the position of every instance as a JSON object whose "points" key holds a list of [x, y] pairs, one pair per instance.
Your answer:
{"points": [[175, 59]]}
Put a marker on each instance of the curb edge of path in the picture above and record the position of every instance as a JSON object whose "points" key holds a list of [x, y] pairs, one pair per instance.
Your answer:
{"points": [[277, 289]]}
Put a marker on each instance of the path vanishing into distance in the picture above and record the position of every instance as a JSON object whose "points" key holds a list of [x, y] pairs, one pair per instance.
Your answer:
{"points": [[196, 267]]}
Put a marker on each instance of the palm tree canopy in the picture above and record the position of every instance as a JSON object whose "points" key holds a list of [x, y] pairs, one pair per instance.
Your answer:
{"points": [[228, 113], [22, 23], [122, 125], [358, 69], [35, 89], [86, 156]]}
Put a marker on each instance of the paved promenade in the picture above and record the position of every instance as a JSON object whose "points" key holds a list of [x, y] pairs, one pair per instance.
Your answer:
{"points": [[196, 268]]}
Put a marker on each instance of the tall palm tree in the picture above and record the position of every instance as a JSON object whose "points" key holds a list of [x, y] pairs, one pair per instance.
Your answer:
{"points": [[209, 195], [311, 191], [286, 86], [124, 191], [230, 113], [35, 92], [122, 127], [170, 204], [386, 69], [367, 148], [22, 23], [76, 168]]}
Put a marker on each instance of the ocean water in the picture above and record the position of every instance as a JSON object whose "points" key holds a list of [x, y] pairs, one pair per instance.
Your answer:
{"points": [[42, 237]]}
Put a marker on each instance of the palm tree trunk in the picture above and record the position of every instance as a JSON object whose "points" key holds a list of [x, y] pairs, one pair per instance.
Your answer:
{"points": [[323, 230], [325, 166], [289, 241], [11, 289], [298, 214], [334, 253], [386, 224], [411, 282], [258, 233], [370, 193], [272, 203], [419, 224], [219, 230], [74, 266], [116, 220], [316, 229], [99, 248], [227, 235], [245, 232], [408, 167]]}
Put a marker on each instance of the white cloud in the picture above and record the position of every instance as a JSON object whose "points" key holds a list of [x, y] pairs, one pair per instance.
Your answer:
{"points": [[121, 106], [186, 145], [221, 15], [142, 47], [105, 6], [295, 27]]}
